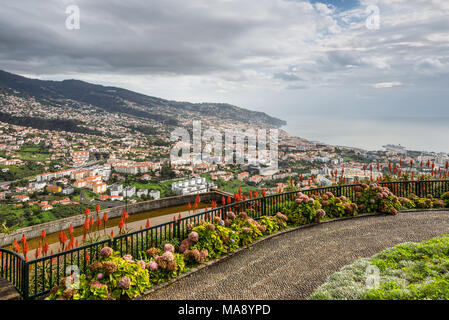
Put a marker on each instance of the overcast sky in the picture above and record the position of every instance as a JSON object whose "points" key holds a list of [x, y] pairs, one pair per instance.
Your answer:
{"points": [[303, 61]]}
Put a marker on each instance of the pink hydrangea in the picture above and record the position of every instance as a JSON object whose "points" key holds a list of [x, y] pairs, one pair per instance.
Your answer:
{"points": [[321, 213], [185, 244], [153, 266], [106, 252], [124, 283], [243, 215], [141, 263], [97, 284], [230, 215], [204, 254], [100, 276], [169, 247], [168, 256], [193, 236], [128, 257], [246, 230]]}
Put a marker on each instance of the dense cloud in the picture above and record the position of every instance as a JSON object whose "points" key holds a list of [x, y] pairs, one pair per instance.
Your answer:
{"points": [[227, 40]]}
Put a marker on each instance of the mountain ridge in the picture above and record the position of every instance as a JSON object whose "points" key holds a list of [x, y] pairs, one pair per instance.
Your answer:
{"points": [[119, 100]]}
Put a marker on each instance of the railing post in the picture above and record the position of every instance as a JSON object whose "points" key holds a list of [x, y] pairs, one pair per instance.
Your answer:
{"points": [[25, 280], [418, 189]]}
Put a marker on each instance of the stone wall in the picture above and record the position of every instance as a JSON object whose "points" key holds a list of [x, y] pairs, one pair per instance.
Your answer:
{"points": [[77, 221]]}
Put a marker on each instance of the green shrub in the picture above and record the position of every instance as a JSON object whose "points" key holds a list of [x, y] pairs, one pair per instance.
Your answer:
{"points": [[408, 271], [110, 277], [374, 198], [302, 211]]}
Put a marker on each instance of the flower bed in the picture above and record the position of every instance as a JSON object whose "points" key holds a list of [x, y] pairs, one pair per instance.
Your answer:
{"points": [[115, 277], [407, 271]]}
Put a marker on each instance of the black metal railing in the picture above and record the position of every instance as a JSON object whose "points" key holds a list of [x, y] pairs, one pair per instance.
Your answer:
{"points": [[35, 278]]}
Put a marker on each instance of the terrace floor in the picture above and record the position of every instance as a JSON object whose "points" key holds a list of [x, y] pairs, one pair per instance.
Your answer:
{"points": [[293, 264], [7, 291]]}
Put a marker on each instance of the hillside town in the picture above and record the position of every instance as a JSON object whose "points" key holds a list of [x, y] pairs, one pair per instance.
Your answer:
{"points": [[43, 172]]}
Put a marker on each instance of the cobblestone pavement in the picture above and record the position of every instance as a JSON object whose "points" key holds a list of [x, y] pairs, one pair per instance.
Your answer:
{"points": [[292, 265]]}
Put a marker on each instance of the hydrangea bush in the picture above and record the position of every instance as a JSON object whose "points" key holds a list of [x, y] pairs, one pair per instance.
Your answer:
{"points": [[374, 198], [111, 277], [303, 210]]}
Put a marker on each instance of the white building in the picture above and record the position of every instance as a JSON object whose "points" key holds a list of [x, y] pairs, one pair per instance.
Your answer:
{"points": [[155, 194], [192, 186], [142, 192]]}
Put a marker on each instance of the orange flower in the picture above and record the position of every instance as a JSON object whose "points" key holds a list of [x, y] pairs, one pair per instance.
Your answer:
{"points": [[25, 251], [105, 217], [86, 225], [71, 229], [97, 208], [43, 234], [87, 211], [125, 214], [45, 249], [23, 240], [148, 224], [121, 224]]}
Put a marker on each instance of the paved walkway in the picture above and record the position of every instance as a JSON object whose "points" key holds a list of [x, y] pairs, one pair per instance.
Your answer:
{"points": [[292, 265], [7, 291]]}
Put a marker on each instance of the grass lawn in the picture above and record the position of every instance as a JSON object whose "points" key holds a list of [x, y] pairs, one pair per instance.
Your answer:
{"points": [[33, 156], [409, 271], [232, 186], [19, 172]]}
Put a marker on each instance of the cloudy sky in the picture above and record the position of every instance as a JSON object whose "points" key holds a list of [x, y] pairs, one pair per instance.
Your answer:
{"points": [[324, 66]]}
